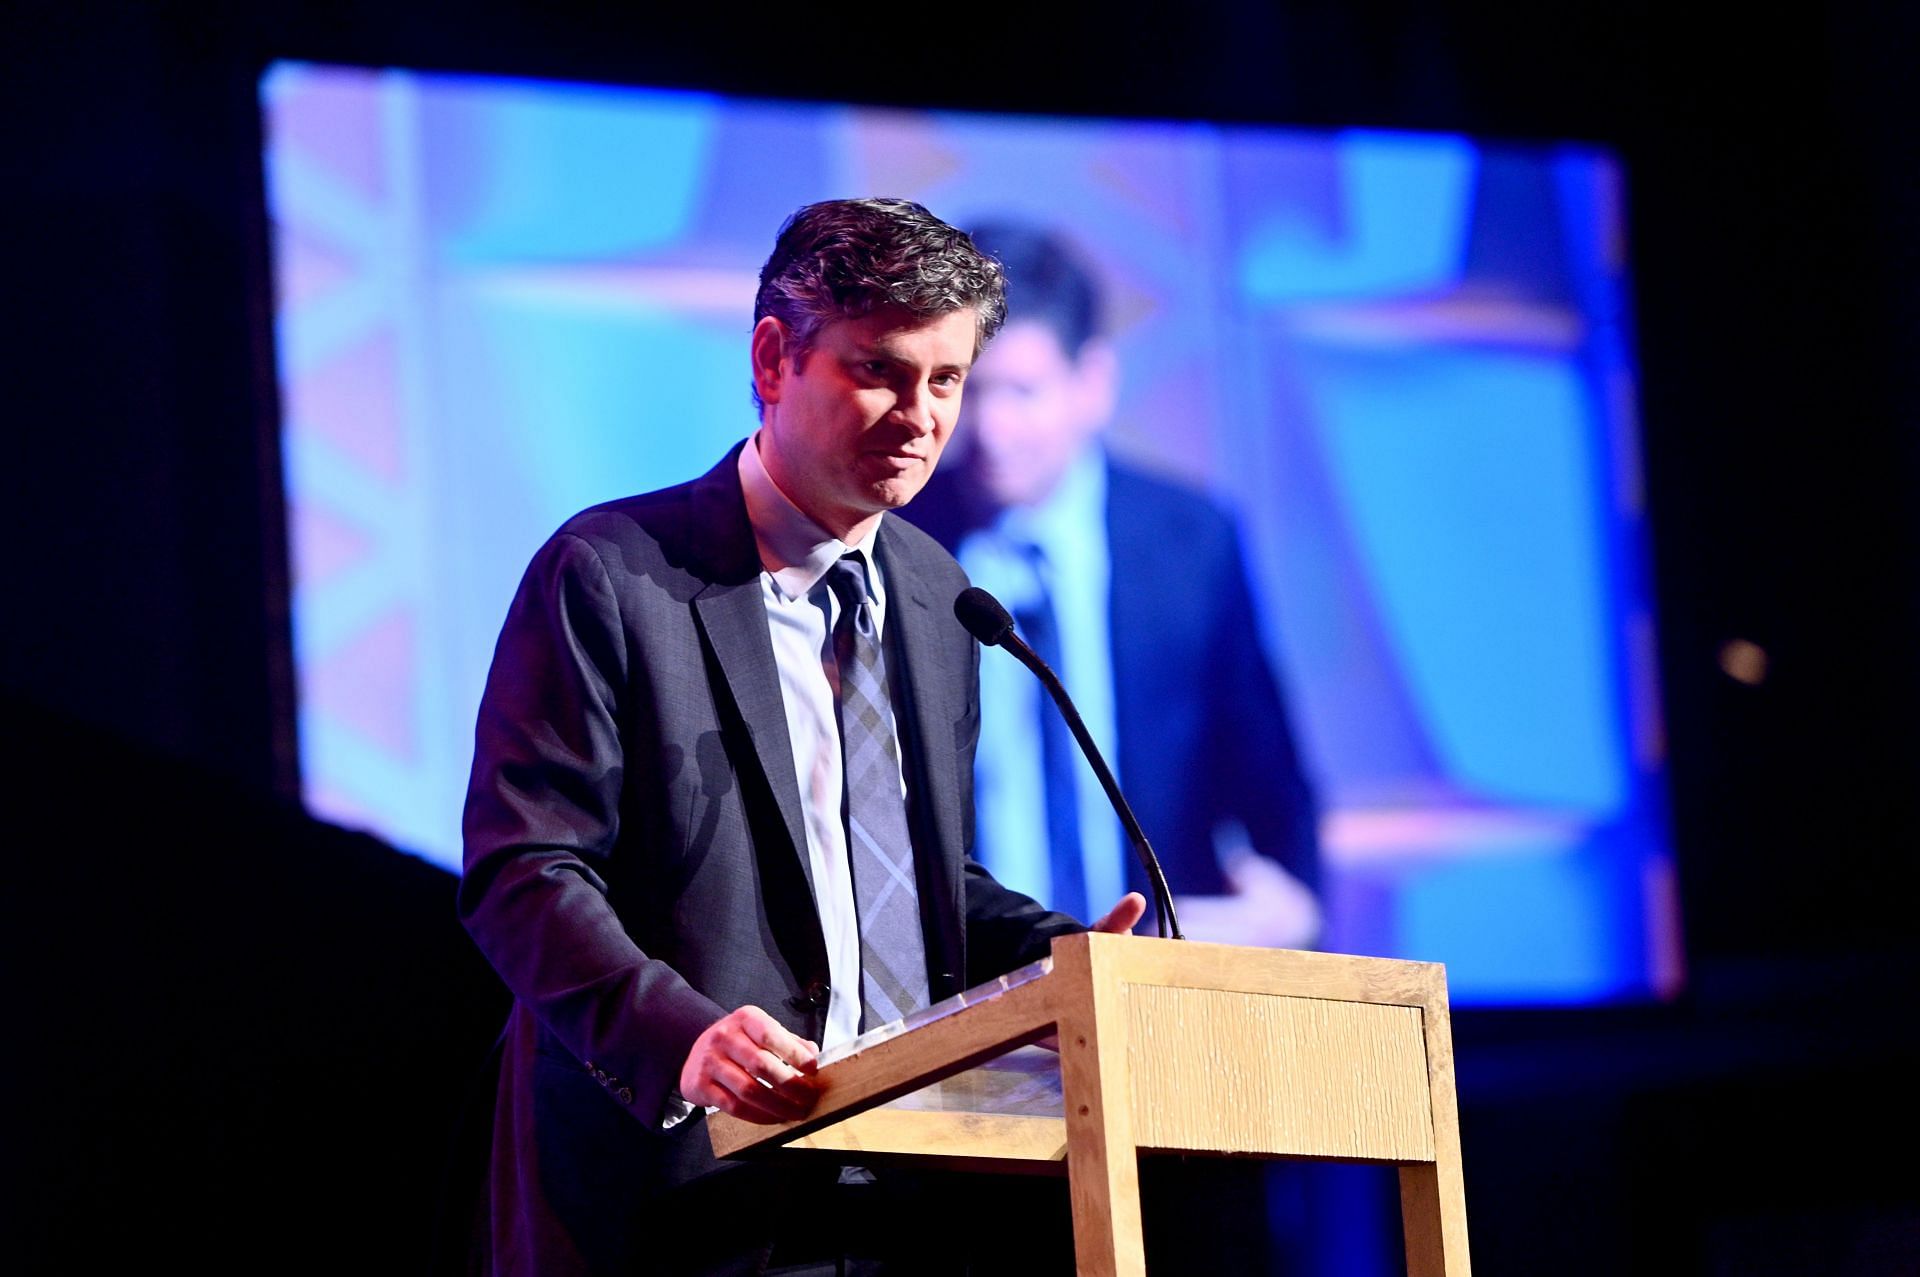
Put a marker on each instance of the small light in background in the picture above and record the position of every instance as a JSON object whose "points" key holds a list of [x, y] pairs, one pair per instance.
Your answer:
{"points": [[1744, 662]]}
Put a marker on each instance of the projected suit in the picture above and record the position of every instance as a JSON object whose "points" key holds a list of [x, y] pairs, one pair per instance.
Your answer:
{"points": [[636, 864], [1203, 728]]}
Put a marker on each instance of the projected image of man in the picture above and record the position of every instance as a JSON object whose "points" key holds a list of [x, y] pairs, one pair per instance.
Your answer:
{"points": [[1135, 589]]}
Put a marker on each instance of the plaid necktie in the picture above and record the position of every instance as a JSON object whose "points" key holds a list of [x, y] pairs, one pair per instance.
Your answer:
{"points": [[893, 952]]}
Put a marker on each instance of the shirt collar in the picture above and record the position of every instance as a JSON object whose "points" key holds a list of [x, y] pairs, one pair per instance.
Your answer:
{"points": [[794, 550]]}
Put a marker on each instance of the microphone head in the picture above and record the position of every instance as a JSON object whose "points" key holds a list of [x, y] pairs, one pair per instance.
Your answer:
{"points": [[983, 616]]}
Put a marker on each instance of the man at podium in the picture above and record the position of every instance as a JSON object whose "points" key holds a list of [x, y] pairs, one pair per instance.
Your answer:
{"points": [[720, 812]]}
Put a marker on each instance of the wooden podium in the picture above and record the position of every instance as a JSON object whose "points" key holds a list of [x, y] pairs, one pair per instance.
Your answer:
{"points": [[1164, 1046]]}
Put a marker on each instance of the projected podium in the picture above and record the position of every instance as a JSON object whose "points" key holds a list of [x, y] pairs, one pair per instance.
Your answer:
{"points": [[1165, 1046]]}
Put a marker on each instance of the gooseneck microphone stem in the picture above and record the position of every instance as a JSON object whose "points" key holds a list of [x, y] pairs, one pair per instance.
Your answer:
{"points": [[1162, 896], [988, 620]]}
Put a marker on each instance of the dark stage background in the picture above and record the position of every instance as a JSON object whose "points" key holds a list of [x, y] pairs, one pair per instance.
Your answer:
{"points": [[241, 1038]]}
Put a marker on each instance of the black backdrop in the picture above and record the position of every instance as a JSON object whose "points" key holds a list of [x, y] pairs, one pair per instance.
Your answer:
{"points": [[243, 1036]]}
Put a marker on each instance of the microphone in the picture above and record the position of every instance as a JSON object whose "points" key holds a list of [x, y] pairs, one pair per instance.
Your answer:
{"points": [[989, 621]]}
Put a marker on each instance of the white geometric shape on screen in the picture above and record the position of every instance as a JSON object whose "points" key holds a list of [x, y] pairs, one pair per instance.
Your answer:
{"points": [[343, 358]]}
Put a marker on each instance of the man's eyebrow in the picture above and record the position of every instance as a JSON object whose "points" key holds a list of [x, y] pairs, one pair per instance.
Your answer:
{"points": [[876, 350]]}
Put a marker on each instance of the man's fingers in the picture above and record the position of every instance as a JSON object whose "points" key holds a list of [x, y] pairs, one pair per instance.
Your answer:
{"points": [[774, 1070], [748, 1065], [765, 1031], [756, 1063], [734, 1090], [751, 1093], [752, 1102], [1120, 919]]}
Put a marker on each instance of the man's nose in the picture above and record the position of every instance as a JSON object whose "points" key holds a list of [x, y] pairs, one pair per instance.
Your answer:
{"points": [[914, 407]]}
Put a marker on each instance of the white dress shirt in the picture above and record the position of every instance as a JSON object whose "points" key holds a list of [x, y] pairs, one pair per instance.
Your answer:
{"points": [[795, 554]]}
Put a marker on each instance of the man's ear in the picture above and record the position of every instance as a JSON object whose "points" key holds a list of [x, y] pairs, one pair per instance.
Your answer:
{"points": [[770, 348]]}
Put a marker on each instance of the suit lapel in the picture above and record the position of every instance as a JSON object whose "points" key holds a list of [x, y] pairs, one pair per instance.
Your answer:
{"points": [[732, 616], [921, 638], [731, 613], [930, 694]]}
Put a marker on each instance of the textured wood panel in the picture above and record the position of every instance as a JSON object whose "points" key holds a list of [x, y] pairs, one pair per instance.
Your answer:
{"points": [[1266, 1073]]}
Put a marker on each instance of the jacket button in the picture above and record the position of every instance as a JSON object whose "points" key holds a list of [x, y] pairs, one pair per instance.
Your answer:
{"points": [[626, 1095], [813, 998]]}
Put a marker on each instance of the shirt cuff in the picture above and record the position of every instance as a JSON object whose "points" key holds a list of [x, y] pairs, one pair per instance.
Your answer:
{"points": [[677, 1110]]}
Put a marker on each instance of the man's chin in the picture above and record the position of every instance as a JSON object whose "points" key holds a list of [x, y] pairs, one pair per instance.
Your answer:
{"points": [[891, 494]]}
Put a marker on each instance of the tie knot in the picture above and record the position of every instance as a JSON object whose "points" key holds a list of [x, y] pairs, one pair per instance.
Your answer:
{"points": [[848, 579]]}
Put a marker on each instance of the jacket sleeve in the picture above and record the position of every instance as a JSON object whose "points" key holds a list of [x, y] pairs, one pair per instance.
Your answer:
{"points": [[542, 820]]}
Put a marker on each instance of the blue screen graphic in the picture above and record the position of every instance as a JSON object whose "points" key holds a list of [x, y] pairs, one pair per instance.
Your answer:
{"points": [[1403, 362]]}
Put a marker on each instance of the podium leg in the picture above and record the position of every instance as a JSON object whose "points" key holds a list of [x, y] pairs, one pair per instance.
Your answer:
{"points": [[1433, 1195], [1433, 1215], [1103, 1175], [1103, 1160]]}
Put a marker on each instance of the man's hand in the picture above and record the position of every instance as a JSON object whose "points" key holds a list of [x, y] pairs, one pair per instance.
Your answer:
{"points": [[747, 1065], [1120, 919]]}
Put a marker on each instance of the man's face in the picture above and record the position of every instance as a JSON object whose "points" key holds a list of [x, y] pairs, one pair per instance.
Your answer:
{"points": [[856, 424], [1032, 408]]}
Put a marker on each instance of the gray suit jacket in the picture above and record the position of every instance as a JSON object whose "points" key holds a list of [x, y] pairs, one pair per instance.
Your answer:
{"points": [[635, 863]]}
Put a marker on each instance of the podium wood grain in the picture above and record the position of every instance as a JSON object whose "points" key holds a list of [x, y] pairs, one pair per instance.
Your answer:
{"points": [[1223, 1072], [1164, 1046]]}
